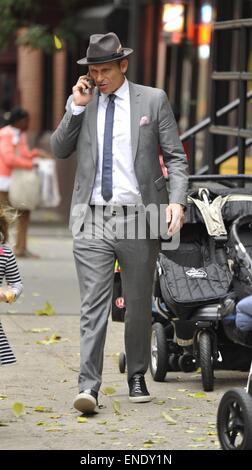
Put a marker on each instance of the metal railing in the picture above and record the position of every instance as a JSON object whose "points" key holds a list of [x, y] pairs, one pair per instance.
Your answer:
{"points": [[243, 134], [190, 134]]}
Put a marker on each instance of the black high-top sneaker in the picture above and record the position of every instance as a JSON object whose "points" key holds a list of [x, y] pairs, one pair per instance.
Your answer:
{"points": [[138, 392]]}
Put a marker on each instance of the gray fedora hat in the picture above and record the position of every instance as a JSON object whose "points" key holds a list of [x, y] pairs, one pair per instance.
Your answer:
{"points": [[104, 48]]}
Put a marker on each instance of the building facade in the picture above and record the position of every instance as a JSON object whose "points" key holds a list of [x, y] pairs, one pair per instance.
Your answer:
{"points": [[172, 50]]}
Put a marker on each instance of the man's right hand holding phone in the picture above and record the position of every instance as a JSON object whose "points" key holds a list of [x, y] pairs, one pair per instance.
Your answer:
{"points": [[82, 91]]}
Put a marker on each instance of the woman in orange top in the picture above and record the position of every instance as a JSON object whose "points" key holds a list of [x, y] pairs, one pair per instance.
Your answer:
{"points": [[14, 153]]}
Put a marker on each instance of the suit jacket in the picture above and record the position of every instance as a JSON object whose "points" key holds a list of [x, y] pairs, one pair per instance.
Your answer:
{"points": [[152, 124]]}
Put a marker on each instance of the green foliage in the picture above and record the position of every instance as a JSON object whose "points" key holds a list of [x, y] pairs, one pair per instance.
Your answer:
{"points": [[14, 14], [18, 13], [37, 37]]}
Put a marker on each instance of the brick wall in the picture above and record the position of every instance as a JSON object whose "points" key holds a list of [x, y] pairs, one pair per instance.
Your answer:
{"points": [[29, 84], [59, 83]]}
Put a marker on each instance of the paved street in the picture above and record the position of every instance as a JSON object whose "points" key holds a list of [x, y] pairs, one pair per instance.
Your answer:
{"points": [[44, 379]]}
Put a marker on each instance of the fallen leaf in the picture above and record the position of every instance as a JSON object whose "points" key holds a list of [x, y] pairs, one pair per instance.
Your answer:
{"points": [[82, 419], [171, 398], [116, 407], [180, 408], [197, 373], [197, 395], [38, 330], [42, 409], [168, 418], [108, 391], [3, 397], [159, 402], [18, 408], [3, 424], [198, 439], [47, 310], [39, 408], [148, 444], [50, 425], [52, 340]]}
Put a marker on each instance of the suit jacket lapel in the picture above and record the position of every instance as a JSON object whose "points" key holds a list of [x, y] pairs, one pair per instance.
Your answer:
{"points": [[135, 95], [92, 122]]}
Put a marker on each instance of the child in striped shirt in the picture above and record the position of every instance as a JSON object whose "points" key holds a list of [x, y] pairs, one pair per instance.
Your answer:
{"points": [[10, 273]]}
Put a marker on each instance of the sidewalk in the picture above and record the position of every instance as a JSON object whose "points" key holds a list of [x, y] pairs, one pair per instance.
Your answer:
{"points": [[45, 375]]}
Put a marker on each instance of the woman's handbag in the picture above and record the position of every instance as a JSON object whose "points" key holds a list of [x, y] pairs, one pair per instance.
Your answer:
{"points": [[49, 187], [24, 190]]}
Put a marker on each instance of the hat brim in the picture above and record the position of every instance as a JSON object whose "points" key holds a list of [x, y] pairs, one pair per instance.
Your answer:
{"points": [[86, 61]]}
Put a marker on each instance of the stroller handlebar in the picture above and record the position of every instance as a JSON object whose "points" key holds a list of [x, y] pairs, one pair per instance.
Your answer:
{"points": [[242, 253]]}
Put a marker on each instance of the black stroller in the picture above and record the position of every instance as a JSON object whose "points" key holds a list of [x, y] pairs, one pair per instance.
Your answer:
{"points": [[234, 418], [191, 283]]}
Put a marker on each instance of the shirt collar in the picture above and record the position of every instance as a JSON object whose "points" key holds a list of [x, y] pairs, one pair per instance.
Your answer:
{"points": [[120, 93]]}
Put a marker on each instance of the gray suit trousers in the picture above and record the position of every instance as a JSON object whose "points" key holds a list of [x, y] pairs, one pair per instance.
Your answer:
{"points": [[95, 257]]}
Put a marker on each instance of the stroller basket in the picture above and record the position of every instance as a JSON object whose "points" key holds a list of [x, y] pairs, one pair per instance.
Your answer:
{"points": [[185, 288]]}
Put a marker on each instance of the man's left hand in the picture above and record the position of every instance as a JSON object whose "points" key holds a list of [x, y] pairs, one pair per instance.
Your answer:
{"points": [[175, 218]]}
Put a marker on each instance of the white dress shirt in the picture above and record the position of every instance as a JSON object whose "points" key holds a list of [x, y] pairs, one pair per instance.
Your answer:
{"points": [[125, 185]]}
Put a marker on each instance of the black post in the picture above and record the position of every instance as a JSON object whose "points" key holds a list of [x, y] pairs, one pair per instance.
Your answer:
{"points": [[244, 38], [133, 38], [213, 106], [156, 24], [195, 73], [191, 156]]}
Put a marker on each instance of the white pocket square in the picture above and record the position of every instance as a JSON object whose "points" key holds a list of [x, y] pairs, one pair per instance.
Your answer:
{"points": [[144, 121]]}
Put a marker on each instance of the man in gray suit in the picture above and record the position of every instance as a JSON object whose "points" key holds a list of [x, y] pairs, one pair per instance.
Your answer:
{"points": [[116, 128]]}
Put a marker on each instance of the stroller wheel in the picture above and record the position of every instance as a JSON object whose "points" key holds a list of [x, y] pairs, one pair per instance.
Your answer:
{"points": [[174, 362], [158, 353], [187, 362], [206, 361], [122, 362], [234, 420]]}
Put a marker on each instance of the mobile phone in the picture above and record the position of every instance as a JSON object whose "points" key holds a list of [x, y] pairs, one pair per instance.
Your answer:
{"points": [[92, 83]]}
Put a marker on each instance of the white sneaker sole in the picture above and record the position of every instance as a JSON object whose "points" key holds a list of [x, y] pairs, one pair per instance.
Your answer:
{"points": [[140, 399], [85, 403]]}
